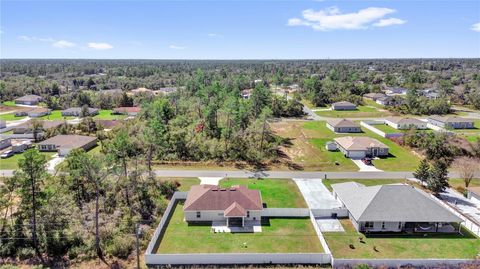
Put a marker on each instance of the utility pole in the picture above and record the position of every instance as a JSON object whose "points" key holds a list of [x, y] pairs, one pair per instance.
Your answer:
{"points": [[137, 234]]}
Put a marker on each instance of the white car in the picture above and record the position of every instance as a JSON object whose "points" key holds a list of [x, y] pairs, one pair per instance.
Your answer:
{"points": [[7, 154]]}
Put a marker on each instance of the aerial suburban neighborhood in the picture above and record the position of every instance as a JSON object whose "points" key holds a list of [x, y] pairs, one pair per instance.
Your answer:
{"points": [[240, 134]]}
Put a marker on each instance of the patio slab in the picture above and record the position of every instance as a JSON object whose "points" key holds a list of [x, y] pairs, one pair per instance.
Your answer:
{"points": [[329, 225], [250, 226]]}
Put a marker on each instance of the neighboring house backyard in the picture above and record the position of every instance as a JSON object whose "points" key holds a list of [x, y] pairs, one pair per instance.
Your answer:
{"points": [[275, 192], [361, 112], [279, 235], [401, 246]]}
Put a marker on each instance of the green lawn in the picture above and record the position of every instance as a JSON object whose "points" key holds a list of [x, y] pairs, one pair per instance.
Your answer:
{"points": [[10, 117], [11, 163], [331, 160], [106, 114], [361, 112], [370, 102], [275, 192], [291, 235], [444, 246], [400, 159], [185, 183], [367, 182], [387, 129], [9, 103], [55, 115]]}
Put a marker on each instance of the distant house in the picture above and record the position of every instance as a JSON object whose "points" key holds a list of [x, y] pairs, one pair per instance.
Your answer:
{"points": [[344, 105], [361, 146], [131, 111], [27, 127], [246, 93], [5, 143], [141, 90], [396, 91], [235, 205], [77, 112], [343, 126], [394, 208], [20, 145], [3, 124], [473, 193], [34, 113], [431, 94], [167, 90], [385, 101], [108, 124], [63, 144], [405, 123], [374, 96], [451, 122], [30, 100]]}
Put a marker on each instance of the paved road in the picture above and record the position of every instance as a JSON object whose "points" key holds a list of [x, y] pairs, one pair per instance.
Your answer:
{"points": [[273, 174]]}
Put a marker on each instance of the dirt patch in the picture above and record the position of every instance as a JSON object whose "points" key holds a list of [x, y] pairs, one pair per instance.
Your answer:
{"points": [[10, 109]]}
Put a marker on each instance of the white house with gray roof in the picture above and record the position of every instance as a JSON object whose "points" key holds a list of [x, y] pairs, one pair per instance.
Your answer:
{"points": [[394, 208], [400, 123], [344, 105], [451, 122]]}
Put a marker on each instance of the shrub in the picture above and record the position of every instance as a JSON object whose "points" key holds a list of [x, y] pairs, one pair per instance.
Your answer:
{"points": [[121, 246]]}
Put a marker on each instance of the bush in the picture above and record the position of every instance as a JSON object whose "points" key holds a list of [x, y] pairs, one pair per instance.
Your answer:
{"points": [[121, 246], [26, 253]]}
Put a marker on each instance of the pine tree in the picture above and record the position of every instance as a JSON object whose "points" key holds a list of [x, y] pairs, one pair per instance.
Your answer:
{"points": [[422, 173], [438, 178]]}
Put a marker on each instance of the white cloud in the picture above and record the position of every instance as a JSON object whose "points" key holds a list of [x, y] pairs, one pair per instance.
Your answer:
{"points": [[63, 44], [476, 27], [25, 38], [175, 47], [34, 38], [388, 22], [214, 35], [99, 46], [332, 18]]}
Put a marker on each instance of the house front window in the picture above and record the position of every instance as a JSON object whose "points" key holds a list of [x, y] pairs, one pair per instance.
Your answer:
{"points": [[248, 214], [368, 225], [399, 225], [383, 225], [198, 215]]}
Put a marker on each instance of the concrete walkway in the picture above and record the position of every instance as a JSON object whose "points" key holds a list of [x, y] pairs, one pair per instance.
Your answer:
{"points": [[210, 180], [54, 162], [365, 168]]}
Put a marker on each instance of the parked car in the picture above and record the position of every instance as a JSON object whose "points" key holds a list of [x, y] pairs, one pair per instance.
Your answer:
{"points": [[7, 154], [367, 161]]}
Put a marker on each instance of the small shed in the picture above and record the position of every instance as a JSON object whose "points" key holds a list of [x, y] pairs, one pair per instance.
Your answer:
{"points": [[331, 146]]}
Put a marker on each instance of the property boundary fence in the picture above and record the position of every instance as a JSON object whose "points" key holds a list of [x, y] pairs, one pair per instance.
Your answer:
{"points": [[285, 212], [370, 126]]}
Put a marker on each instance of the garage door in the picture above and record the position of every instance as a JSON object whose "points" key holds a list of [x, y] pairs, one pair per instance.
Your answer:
{"points": [[356, 154]]}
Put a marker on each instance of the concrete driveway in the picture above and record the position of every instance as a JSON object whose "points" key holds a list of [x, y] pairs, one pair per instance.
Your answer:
{"points": [[54, 162], [316, 194], [210, 180], [365, 168]]}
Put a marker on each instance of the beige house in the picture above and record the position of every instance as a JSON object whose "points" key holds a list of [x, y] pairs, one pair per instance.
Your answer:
{"points": [[34, 113], [235, 205], [394, 208], [400, 123], [63, 144], [343, 126], [30, 100], [357, 147]]}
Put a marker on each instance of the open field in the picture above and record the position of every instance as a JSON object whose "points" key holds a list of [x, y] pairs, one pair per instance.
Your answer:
{"points": [[106, 114], [444, 246], [11, 163], [10, 117], [55, 115], [275, 192], [361, 112], [367, 182], [292, 235], [308, 148]]}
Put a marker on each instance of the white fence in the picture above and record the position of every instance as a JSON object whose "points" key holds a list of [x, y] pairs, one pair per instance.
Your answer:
{"points": [[285, 212], [322, 213], [397, 263], [370, 126], [237, 258], [323, 242]]}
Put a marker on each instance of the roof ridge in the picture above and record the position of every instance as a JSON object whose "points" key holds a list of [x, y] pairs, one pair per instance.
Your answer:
{"points": [[379, 187]]}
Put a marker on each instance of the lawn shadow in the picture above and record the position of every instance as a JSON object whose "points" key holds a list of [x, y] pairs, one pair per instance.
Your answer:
{"points": [[465, 234], [390, 155]]}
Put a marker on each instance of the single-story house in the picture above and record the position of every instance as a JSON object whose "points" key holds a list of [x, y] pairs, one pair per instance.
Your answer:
{"points": [[361, 146], [3, 124], [451, 122], [396, 91], [77, 112], [20, 145], [343, 126], [108, 124], [344, 105], [5, 143], [374, 95], [431, 94], [140, 90], [394, 208], [473, 193], [131, 111], [34, 113], [400, 123], [63, 144], [235, 205], [30, 100], [27, 127], [385, 101]]}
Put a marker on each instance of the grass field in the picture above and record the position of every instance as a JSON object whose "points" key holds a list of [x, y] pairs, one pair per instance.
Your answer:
{"points": [[10, 117], [55, 115], [11, 163], [387, 129], [275, 192], [444, 246], [185, 183], [292, 235], [106, 114], [361, 112], [9, 103], [367, 182]]}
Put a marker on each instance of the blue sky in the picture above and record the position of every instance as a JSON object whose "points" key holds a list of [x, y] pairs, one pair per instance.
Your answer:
{"points": [[239, 29]]}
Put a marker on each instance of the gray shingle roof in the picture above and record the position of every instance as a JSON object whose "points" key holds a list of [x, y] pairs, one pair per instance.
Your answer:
{"points": [[342, 123], [394, 202]]}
